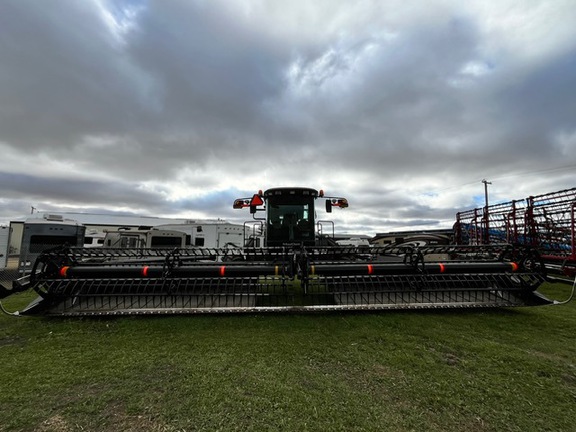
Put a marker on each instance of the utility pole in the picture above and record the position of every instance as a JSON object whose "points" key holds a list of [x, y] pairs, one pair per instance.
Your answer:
{"points": [[486, 215]]}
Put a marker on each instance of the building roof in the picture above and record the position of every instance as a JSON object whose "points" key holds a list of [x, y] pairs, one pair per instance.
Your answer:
{"points": [[119, 220]]}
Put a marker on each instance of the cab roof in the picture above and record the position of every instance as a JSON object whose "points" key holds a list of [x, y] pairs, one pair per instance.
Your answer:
{"points": [[291, 191]]}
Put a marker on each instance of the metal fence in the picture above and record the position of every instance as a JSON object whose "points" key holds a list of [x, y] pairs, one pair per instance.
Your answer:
{"points": [[9, 273]]}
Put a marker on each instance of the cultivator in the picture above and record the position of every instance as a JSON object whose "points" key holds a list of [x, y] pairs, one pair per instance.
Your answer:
{"points": [[295, 271], [545, 222]]}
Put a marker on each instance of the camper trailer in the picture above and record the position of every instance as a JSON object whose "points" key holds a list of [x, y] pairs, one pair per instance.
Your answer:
{"points": [[94, 238], [40, 234], [210, 234], [150, 238]]}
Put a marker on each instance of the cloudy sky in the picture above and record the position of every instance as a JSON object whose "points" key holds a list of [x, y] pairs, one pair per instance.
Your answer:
{"points": [[176, 107]]}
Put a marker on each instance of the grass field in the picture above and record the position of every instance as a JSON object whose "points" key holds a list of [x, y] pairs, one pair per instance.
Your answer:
{"points": [[483, 370]]}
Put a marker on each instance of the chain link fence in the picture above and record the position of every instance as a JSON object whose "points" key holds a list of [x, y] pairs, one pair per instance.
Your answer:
{"points": [[9, 272]]}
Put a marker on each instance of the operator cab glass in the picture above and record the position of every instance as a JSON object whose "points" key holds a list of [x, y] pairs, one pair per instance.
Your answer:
{"points": [[290, 216]]}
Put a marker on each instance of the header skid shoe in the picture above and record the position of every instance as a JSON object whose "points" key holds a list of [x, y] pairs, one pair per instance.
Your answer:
{"points": [[93, 282]]}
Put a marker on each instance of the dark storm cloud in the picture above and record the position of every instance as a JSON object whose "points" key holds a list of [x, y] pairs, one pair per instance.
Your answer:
{"points": [[541, 105], [212, 71], [63, 76], [74, 191]]}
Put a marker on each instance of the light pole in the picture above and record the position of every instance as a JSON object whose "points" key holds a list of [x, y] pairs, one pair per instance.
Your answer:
{"points": [[486, 215]]}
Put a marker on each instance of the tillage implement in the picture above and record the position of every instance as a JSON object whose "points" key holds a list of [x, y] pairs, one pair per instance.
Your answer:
{"points": [[298, 267]]}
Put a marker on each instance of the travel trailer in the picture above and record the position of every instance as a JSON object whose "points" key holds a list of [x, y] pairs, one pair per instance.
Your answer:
{"points": [[210, 234], [354, 241], [94, 238], [40, 234], [149, 238]]}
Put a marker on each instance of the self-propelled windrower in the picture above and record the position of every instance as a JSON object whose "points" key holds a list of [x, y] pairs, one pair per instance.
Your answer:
{"points": [[298, 268]]}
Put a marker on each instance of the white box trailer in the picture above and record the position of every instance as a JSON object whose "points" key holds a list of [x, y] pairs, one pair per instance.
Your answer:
{"points": [[4, 246]]}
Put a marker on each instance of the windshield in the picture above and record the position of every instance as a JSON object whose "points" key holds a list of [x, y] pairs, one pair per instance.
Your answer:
{"points": [[291, 221]]}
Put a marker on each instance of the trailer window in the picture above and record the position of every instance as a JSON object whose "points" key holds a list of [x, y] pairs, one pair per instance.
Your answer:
{"points": [[129, 242], [166, 242], [39, 243]]}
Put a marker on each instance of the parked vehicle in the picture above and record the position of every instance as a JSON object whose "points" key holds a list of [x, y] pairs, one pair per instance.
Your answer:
{"points": [[94, 238], [207, 234], [40, 234], [150, 238]]}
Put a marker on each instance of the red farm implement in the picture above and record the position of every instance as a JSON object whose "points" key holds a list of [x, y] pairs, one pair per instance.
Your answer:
{"points": [[543, 222]]}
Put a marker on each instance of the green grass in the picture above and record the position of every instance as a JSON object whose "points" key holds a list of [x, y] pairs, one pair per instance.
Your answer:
{"points": [[483, 370]]}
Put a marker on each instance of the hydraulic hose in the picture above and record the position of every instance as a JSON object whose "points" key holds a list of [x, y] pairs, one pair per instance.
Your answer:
{"points": [[569, 299], [7, 312]]}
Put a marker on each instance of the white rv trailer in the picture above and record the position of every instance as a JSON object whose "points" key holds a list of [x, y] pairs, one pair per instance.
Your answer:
{"points": [[40, 234], [4, 246], [210, 234], [150, 238], [354, 241], [94, 238]]}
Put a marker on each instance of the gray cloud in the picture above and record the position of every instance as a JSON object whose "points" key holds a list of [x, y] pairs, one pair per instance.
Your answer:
{"points": [[68, 191], [178, 107]]}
